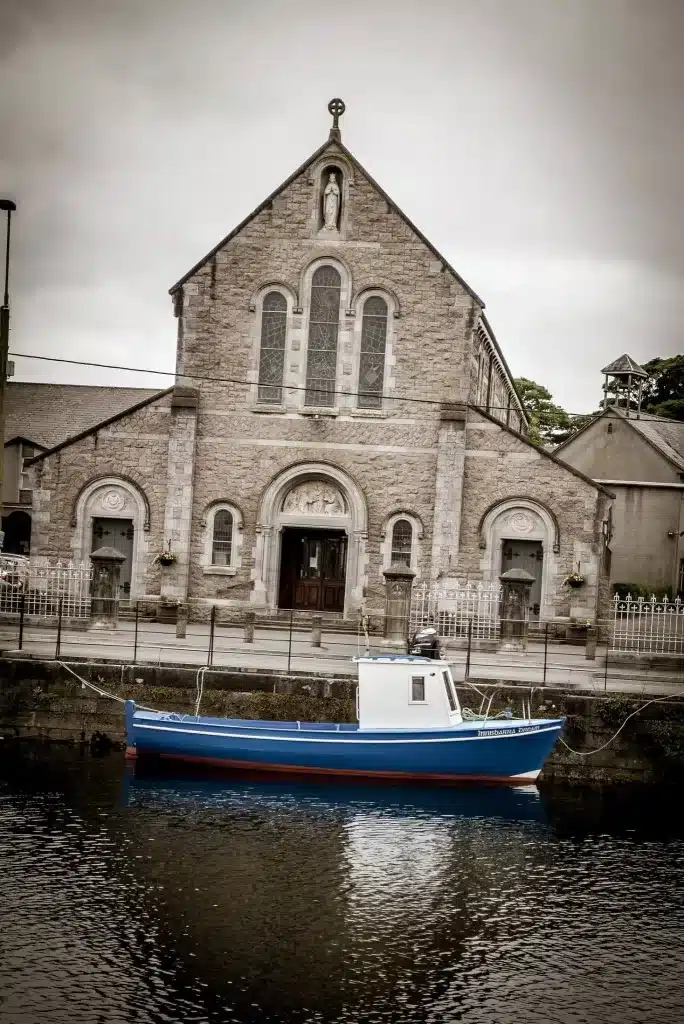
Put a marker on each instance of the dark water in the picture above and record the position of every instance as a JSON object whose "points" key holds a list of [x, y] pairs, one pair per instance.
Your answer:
{"points": [[165, 899]]}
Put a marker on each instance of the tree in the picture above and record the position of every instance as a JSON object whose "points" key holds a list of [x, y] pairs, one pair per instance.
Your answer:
{"points": [[663, 392], [549, 424]]}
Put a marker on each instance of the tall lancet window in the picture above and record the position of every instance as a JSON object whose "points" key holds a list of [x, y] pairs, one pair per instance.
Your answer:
{"points": [[272, 353], [321, 364], [372, 359]]}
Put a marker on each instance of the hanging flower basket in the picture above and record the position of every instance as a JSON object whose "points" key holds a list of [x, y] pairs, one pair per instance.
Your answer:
{"points": [[165, 558], [575, 579]]}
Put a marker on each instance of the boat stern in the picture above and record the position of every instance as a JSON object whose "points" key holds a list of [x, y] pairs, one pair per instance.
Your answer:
{"points": [[129, 711]]}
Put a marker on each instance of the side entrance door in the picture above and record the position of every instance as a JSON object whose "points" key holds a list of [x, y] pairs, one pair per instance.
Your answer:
{"points": [[116, 533], [312, 570]]}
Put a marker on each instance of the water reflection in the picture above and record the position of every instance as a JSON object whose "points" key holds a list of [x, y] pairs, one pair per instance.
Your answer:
{"points": [[152, 897]]}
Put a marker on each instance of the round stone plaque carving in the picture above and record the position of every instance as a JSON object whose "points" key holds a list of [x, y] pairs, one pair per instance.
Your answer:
{"points": [[522, 522], [113, 501]]}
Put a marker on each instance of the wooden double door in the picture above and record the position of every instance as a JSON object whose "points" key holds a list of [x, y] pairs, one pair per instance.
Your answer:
{"points": [[312, 570]]}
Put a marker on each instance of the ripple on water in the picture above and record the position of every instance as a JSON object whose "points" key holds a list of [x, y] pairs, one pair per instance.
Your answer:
{"points": [[167, 900]]}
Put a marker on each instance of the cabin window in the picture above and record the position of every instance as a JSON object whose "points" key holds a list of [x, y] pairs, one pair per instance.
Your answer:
{"points": [[417, 689], [449, 691]]}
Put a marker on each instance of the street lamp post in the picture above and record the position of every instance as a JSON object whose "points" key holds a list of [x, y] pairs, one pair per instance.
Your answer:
{"points": [[9, 207]]}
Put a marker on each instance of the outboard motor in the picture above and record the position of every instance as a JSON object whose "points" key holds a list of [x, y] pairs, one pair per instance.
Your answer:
{"points": [[425, 642]]}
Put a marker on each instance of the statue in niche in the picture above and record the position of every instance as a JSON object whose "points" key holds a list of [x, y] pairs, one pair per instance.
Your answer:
{"points": [[331, 203]]}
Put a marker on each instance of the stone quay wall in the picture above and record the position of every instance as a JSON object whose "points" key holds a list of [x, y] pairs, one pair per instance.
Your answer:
{"points": [[41, 701]]}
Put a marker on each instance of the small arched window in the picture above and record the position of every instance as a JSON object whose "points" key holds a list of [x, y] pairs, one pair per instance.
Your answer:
{"points": [[272, 352], [222, 538], [324, 320], [372, 358], [402, 541]]}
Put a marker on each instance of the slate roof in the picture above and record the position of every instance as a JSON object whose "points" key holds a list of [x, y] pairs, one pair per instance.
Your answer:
{"points": [[625, 364], [665, 435], [47, 414]]}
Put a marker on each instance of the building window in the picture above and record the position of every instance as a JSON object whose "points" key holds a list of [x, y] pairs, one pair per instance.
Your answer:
{"points": [[417, 689], [272, 352], [222, 538], [324, 317], [402, 539], [372, 358]]}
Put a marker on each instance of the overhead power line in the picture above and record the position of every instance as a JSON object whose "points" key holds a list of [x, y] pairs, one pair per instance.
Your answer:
{"points": [[248, 383]]}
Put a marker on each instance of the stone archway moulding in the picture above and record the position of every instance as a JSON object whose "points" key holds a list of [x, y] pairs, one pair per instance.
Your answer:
{"points": [[114, 479], [511, 504], [322, 511]]}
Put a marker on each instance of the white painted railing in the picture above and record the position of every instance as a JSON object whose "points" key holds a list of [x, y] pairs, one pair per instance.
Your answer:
{"points": [[647, 626], [42, 585], [452, 608]]}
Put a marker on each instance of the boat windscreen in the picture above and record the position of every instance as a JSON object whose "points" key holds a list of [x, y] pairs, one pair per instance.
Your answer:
{"points": [[449, 691]]}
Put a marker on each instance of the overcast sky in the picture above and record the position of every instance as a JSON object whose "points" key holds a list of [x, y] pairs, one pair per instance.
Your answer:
{"points": [[537, 143]]}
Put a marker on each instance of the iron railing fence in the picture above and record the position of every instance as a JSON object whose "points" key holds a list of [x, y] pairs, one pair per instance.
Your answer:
{"points": [[647, 626], [37, 588], [457, 611]]}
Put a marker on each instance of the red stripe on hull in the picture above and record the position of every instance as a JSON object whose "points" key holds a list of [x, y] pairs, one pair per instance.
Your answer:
{"points": [[131, 753], [301, 770]]}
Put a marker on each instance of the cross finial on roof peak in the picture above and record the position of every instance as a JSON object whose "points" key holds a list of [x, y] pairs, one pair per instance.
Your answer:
{"points": [[336, 107]]}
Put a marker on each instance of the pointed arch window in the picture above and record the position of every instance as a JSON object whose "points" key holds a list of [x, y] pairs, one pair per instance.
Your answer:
{"points": [[324, 318], [402, 542], [372, 357], [272, 351]]}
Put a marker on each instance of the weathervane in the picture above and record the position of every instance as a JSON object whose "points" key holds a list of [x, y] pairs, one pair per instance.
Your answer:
{"points": [[336, 107]]}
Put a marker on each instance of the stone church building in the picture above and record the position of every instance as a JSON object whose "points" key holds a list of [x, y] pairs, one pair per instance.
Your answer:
{"points": [[341, 403]]}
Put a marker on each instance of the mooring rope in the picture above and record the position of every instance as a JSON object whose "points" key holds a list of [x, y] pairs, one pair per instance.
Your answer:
{"points": [[587, 753]]}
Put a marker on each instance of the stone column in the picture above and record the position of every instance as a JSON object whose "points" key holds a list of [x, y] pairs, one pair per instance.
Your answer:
{"points": [[104, 588], [515, 609], [179, 485], [448, 499], [398, 584]]}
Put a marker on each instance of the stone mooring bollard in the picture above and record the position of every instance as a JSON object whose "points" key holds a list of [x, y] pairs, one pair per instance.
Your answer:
{"points": [[590, 649], [250, 619], [182, 621], [316, 630]]}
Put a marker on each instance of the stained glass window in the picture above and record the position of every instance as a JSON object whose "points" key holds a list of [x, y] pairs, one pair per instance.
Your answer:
{"points": [[372, 359], [402, 537], [321, 364], [272, 355], [222, 539]]}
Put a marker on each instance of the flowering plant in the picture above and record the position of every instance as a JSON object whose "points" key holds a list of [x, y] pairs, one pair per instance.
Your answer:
{"points": [[574, 579], [166, 557]]}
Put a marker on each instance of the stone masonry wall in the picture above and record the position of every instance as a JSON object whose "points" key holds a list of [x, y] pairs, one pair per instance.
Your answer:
{"points": [[134, 447], [498, 466], [390, 454]]}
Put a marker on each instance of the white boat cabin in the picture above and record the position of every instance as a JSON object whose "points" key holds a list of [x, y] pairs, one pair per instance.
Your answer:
{"points": [[406, 692]]}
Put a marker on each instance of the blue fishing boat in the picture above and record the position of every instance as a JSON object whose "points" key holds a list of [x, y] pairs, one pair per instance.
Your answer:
{"points": [[410, 726]]}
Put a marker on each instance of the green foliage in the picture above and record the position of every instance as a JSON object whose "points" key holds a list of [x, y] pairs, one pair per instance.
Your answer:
{"points": [[549, 424], [663, 392]]}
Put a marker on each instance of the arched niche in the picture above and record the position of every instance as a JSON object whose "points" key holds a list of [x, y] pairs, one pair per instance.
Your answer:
{"points": [[311, 496], [113, 497], [521, 519]]}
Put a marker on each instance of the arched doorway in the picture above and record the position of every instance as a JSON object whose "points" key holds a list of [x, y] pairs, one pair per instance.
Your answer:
{"points": [[113, 512], [522, 533], [17, 530], [311, 542]]}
